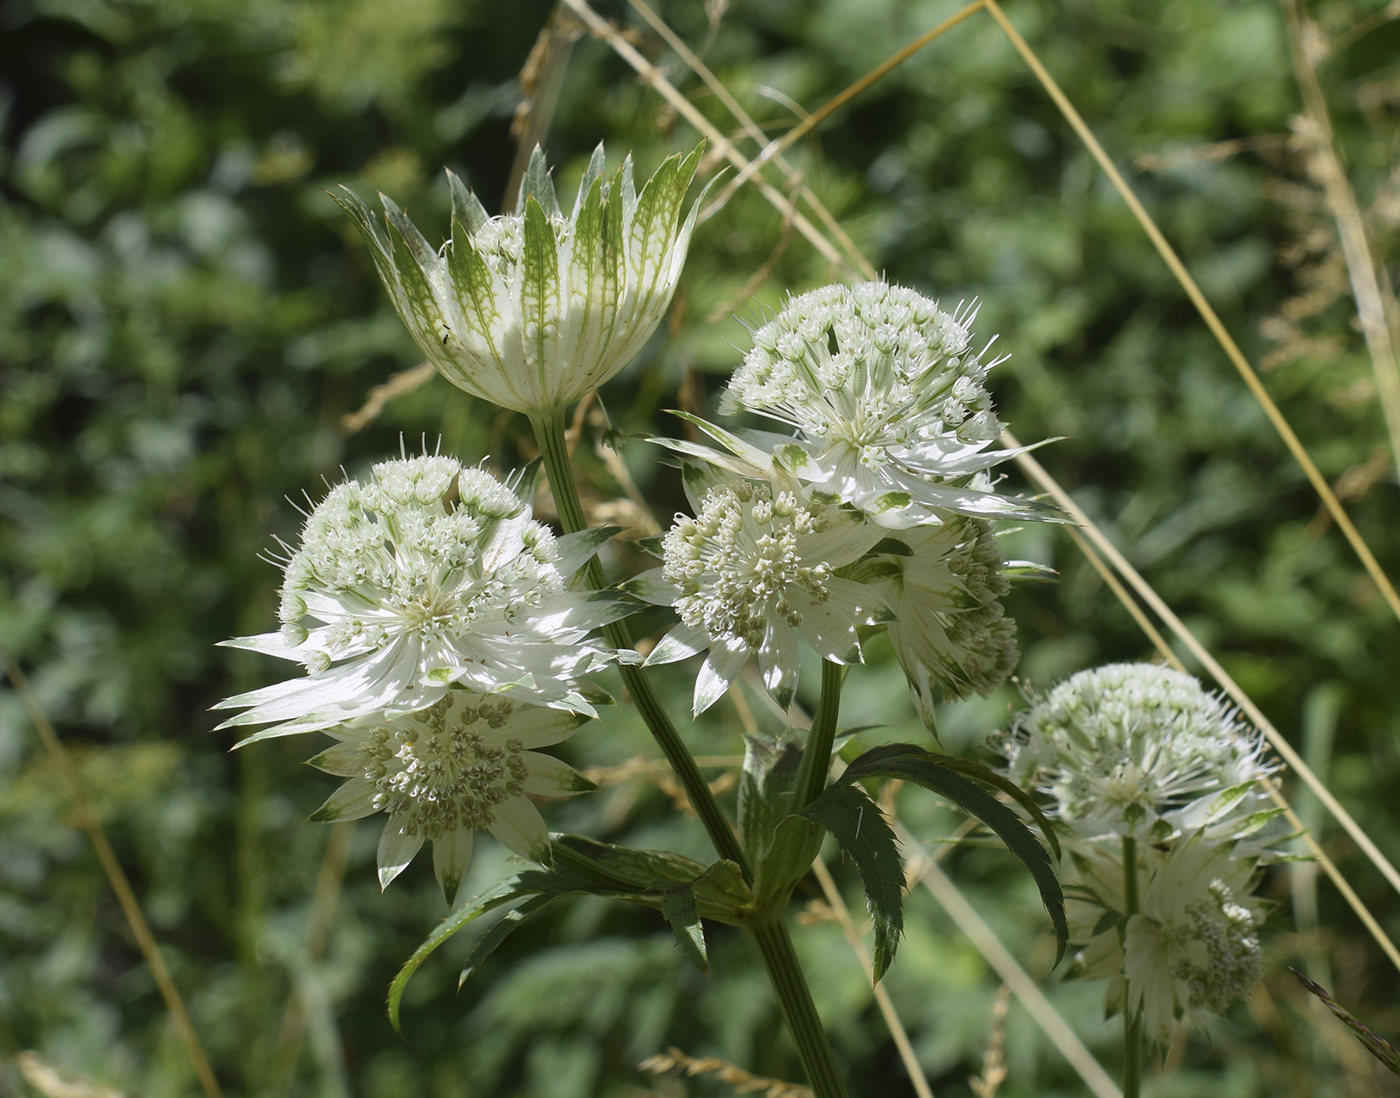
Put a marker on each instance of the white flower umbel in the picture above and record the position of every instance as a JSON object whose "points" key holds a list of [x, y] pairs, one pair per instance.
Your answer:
{"points": [[950, 633], [888, 399], [1139, 750], [754, 571], [429, 574], [533, 310], [464, 763], [1194, 946]]}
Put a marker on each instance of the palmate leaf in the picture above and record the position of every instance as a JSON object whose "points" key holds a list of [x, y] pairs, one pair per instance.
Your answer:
{"points": [[863, 835], [909, 762]]}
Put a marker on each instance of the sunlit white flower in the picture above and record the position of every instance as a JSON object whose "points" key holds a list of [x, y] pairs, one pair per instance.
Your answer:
{"points": [[950, 633], [887, 396], [1195, 944], [429, 574], [1140, 750], [465, 762], [533, 310], [753, 571]]}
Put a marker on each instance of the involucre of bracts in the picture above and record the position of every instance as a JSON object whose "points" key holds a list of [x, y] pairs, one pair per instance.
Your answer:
{"points": [[949, 633], [532, 310], [1140, 750], [429, 574], [1193, 947], [754, 571], [464, 763]]}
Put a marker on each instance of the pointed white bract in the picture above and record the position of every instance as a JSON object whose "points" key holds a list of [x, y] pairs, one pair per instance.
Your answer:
{"points": [[887, 396], [1143, 751], [753, 572], [429, 574], [950, 633], [1195, 944], [533, 310], [440, 774]]}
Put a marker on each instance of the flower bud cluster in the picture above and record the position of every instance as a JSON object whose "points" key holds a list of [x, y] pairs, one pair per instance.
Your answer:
{"points": [[462, 764], [1152, 778]]}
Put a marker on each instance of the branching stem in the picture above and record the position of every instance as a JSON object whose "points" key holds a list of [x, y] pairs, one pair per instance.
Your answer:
{"points": [[1132, 1021]]}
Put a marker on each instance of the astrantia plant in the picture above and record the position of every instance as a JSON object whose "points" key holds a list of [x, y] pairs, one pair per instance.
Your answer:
{"points": [[427, 575], [465, 763], [534, 309], [1157, 786], [446, 634]]}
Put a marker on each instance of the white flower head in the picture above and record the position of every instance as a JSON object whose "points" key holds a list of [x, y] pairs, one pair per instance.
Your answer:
{"points": [[950, 633], [754, 571], [429, 574], [464, 763], [887, 395], [1195, 944], [1141, 750], [533, 310]]}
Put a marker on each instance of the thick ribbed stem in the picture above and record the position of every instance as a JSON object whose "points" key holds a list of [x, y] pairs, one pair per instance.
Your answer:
{"points": [[798, 1010], [1132, 1022], [816, 758], [549, 435]]}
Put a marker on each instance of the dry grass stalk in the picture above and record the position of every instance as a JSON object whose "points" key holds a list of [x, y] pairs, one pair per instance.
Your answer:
{"points": [[51, 1082], [1207, 312], [116, 877], [1314, 129], [993, 1074], [1295, 761], [398, 384], [541, 79], [656, 772], [674, 1060]]}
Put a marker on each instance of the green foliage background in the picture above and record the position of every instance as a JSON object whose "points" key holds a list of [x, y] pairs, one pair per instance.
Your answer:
{"points": [[185, 316]]}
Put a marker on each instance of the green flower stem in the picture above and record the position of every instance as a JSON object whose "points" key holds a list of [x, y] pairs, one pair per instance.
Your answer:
{"points": [[769, 931], [798, 1010], [816, 758], [549, 434], [1132, 1023]]}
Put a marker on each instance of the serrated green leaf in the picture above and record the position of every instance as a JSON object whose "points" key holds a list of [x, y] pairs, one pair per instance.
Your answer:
{"points": [[864, 836], [765, 789], [678, 906], [985, 774], [912, 763]]}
